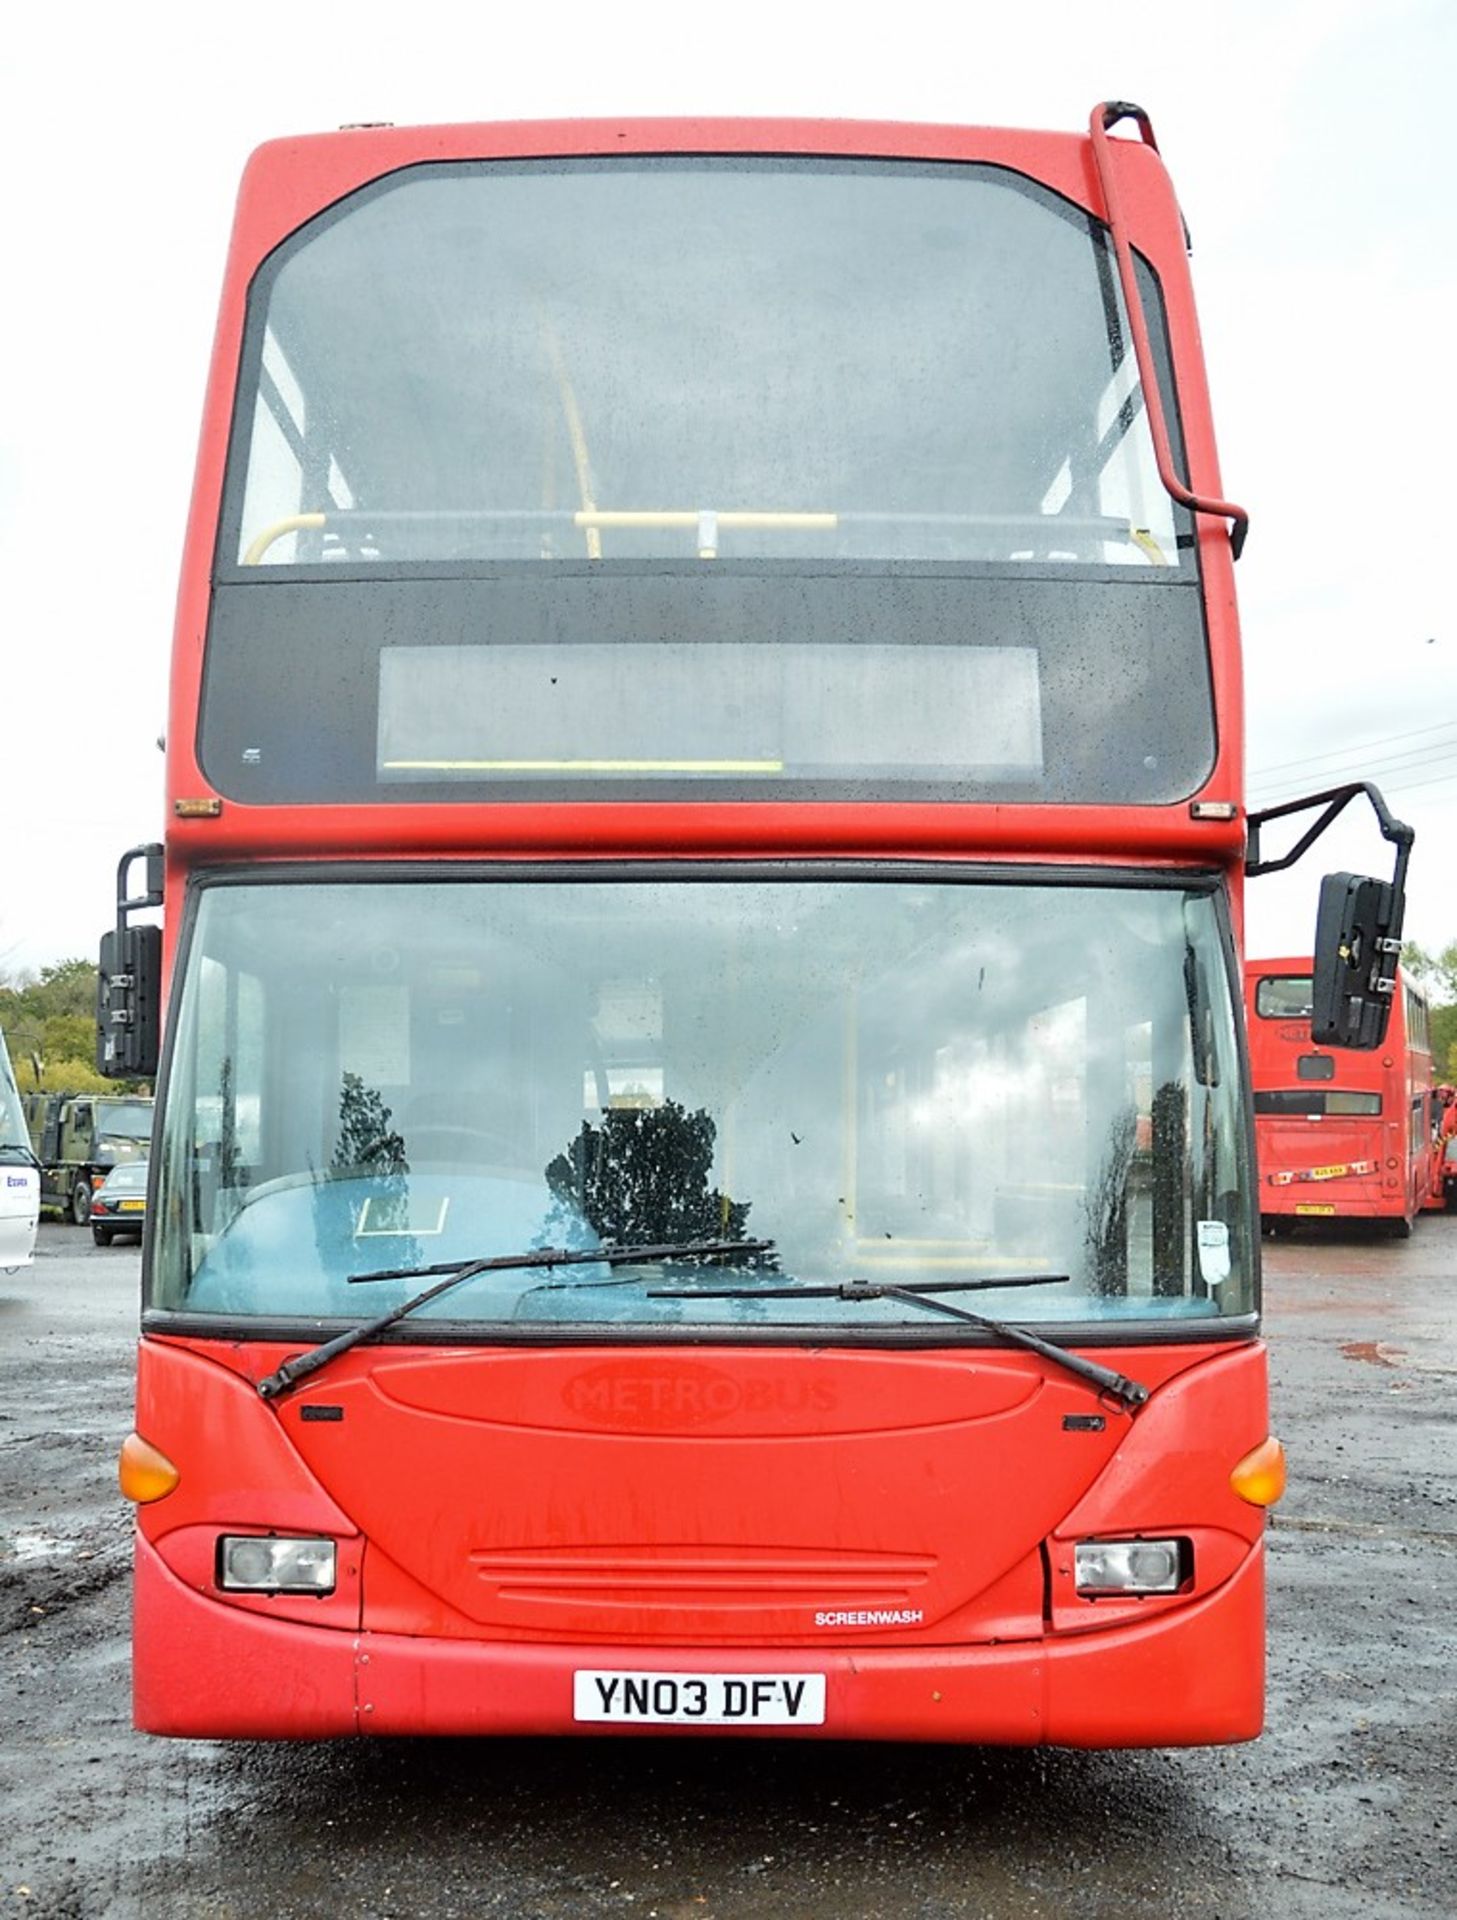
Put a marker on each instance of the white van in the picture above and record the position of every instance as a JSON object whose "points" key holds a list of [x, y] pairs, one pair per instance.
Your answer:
{"points": [[19, 1175]]}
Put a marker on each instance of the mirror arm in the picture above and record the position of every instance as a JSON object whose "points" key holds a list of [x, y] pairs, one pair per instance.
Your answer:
{"points": [[125, 907], [1334, 800]]}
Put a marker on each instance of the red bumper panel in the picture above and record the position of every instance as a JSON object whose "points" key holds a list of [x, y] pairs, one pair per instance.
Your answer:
{"points": [[1183, 1678]]}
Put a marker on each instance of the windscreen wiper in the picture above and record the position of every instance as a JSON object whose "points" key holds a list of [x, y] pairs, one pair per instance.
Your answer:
{"points": [[1129, 1393], [457, 1272]]}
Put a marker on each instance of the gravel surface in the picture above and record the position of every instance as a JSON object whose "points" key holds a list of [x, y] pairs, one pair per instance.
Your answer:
{"points": [[1345, 1807]]}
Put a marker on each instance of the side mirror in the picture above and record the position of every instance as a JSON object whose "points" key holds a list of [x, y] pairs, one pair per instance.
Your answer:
{"points": [[1357, 945], [1358, 927], [129, 984], [128, 1004]]}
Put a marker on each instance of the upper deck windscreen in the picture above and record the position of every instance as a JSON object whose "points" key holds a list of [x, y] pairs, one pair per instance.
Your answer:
{"points": [[625, 399]]}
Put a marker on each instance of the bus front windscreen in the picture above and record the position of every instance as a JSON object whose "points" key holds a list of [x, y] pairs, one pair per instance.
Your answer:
{"points": [[908, 1079]]}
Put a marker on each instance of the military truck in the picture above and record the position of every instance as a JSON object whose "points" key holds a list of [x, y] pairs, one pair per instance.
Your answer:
{"points": [[79, 1137]]}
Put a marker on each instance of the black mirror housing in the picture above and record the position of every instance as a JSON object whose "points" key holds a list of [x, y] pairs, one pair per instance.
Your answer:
{"points": [[129, 983], [1357, 945], [129, 1003]]}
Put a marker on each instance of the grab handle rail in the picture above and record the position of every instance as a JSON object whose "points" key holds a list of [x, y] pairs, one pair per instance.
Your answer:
{"points": [[1105, 115]]}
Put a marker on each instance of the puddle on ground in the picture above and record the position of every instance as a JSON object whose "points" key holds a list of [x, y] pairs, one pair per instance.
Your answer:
{"points": [[1374, 1351]]}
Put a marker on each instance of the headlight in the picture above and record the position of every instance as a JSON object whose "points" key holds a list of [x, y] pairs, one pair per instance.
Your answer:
{"points": [[263, 1563], [1132, 1566]]}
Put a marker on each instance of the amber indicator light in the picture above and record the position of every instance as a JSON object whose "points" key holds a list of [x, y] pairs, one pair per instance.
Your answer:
{"points": [[1260, 1476]]}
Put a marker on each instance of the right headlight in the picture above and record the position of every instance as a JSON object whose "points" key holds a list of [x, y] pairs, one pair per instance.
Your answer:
{"points": [[1132, 1566]]}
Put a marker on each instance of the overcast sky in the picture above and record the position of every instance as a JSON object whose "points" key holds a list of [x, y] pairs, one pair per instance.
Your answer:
{"points": [[1311, 150]]}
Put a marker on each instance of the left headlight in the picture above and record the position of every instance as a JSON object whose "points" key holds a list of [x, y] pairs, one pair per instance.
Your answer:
{"points": [[263, 1563]]}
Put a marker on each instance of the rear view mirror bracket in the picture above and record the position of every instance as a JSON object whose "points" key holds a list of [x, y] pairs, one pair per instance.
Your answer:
{"points": [[1358, 928], [1335, 800]]}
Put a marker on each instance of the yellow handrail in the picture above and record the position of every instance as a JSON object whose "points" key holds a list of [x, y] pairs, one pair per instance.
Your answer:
{"points": [[1145, 542], [592, 521], [584, 766], [295, 523], [576, 432]]}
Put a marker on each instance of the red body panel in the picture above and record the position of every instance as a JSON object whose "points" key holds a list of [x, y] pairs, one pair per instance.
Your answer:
{"points": [[505, 1517], [288, 181], [1382, 1166], [519, 1495]]}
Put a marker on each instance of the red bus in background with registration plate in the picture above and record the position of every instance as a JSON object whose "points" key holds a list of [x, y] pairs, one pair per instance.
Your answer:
{"points": [[1340, 1135], [703, 1176]]}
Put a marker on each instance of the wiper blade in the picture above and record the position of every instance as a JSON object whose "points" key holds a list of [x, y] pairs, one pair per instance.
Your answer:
{"points": [[457, 1272], [855, 1289], [1129, 1393]]}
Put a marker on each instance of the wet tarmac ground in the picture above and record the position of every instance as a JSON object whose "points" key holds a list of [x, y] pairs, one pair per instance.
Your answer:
{"points": [[1347, 1806]]}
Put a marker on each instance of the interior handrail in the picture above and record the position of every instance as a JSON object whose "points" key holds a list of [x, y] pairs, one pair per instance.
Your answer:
{"points": [[707, 521]]}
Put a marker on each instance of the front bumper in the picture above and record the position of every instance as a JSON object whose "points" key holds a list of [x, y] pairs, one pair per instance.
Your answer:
{"points": [[1191, 1676]]}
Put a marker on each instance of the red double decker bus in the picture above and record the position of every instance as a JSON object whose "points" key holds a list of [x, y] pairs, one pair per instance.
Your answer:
{"points": [[703, 1174], [1340, 1135]]}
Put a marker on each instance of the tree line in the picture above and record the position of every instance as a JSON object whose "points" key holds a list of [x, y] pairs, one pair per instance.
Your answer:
{"points": [[49, 1023], [1437, 973]]}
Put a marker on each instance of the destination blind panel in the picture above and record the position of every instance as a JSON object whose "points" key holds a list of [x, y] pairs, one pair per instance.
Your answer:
{"points": [[596, 711]]}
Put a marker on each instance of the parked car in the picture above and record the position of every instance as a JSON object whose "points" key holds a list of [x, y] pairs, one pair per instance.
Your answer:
{"points": [[119, 1204], [79, 1137]]}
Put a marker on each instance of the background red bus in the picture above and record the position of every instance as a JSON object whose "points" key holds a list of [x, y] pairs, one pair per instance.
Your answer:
{"points": [[1339, 1135]]}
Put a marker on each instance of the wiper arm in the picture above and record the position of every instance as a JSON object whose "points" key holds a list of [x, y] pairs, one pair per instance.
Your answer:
{"points": [[1129, 1393], [457, 1272]]}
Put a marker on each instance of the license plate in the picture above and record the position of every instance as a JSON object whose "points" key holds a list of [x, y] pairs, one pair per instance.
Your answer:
{"points": [[1311, 1207], [133, 1206], [700, 1699], [1328, 1173]]}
